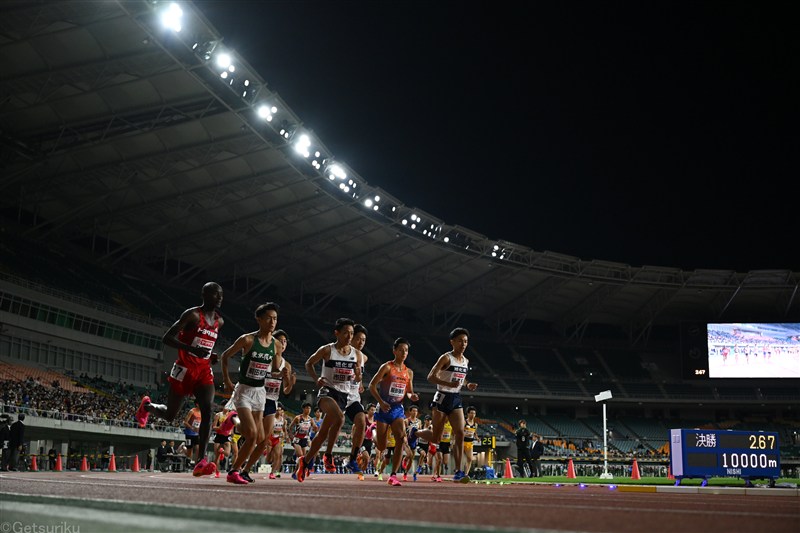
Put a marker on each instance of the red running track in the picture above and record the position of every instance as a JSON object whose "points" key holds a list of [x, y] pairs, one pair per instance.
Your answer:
{"points": [[424, 503]]}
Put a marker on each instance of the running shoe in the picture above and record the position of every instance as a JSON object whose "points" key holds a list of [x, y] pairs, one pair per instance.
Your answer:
{"points": [[415, 476], [375, 474], [216, 474], [271, 475], [380, 477], [199, 468], [353, 467], [437, 479], [300, 471], [327, 460], [405, 476], [246, 476], [142, 415], [278, 475], [458, 475], [361, 476], [236, 478], [294, 475], [393, 481]]}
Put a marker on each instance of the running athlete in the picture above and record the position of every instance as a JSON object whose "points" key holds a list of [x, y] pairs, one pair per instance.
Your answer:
{"points": [[441, 460], [412, 421], [258, 352], [194, 334], [366, 446], [300, 428], [396, 382], [279, 378], [422, 446], [224, 445], [470, 435], [354, 410], [449, 374], [191, 423], [275, 453], [341, 365]]}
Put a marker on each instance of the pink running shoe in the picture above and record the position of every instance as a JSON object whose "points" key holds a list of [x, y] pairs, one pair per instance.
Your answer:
{"points": [[405, 477], [142, 415], [437, 479], [271, 475], [204, 468], [217, 474], [393, 481], [236, 478]]}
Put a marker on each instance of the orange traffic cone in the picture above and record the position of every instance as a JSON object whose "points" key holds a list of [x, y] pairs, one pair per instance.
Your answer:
{"points": [[135, 467], [508, 474], [34, 467], [570, 469], [635, 470], [669, 473], [59, 466], [84, 465], [112, 464]]}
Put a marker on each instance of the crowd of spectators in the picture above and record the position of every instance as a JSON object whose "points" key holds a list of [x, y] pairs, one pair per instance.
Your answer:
{"points": [[108, 403]]}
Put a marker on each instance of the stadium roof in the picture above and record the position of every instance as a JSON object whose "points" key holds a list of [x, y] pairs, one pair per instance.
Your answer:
{"points": [[147, 145]]}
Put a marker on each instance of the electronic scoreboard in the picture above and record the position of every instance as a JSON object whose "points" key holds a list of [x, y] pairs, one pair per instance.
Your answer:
{"points": [[705, 453]]}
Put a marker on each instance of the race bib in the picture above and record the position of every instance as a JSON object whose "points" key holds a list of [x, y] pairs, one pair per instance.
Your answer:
{"points": [[342, 375], [459, 377], [257, 370], [178, 372], [438, 397], [204, 343], [196, 424], [272, 387], [397, 390]]}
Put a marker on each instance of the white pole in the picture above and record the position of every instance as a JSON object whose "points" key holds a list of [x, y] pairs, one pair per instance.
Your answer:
{"points": [[605, 474]]}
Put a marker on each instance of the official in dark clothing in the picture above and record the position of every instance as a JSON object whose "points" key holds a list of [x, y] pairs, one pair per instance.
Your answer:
{"points": [[17, 440], [5, 441], [537, 450], [524, 449]]}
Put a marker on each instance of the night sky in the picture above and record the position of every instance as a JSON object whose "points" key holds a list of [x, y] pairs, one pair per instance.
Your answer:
{"points": [[645, 133]]}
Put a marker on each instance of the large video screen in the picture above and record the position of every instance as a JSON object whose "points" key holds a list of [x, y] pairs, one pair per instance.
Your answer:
{"points": [[753, 350]]}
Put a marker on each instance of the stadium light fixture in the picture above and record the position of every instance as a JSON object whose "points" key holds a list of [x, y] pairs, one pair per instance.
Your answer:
{"points": [[267, 112], [171, 17]]}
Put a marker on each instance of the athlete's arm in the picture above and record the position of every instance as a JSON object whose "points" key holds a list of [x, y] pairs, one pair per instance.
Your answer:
{"points": [[373, 386], [323, 352], [188, 319], [242, 344], [441, 364]]}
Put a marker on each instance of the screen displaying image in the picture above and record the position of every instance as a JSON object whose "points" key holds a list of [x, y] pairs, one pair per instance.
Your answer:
{"points": [[754, 350]]}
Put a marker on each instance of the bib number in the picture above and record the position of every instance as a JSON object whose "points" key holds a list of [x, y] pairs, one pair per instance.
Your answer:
{"points": [[178, 372]]}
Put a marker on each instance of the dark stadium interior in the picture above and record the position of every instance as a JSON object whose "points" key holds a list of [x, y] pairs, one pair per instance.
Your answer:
{"points": [[131, 175]]}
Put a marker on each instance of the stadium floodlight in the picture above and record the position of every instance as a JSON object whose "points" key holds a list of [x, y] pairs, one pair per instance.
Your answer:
{"points": [[171, 17], [603, 397], [302, 145], [223, 60], [267, 112], [335, 171]]}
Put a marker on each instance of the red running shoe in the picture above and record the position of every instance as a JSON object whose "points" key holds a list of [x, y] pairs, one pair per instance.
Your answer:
{"points": [[330, 468], [200, 467], [300, 471], [393, 481], [142, 415]]}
